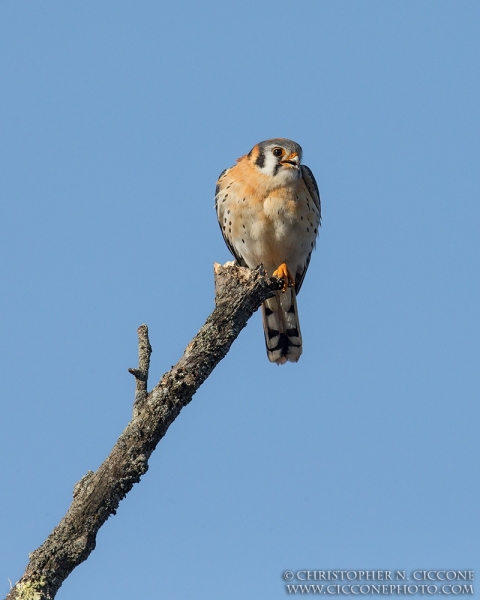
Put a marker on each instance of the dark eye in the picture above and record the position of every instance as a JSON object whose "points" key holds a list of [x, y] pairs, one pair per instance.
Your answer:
{"points": [[277, 152]]}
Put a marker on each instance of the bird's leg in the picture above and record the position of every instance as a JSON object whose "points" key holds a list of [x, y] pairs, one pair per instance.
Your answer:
{"points": [[283, 273]]}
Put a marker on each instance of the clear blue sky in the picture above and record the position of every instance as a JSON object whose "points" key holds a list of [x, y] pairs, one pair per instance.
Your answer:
{"points": [[116, 119]]}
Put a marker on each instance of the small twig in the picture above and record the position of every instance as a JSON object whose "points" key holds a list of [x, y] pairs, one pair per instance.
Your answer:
{"points": [[141, 374], [238, 294]]}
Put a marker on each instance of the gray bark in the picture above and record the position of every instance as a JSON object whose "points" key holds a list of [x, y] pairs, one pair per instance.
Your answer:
{"points": [[238, 294]]}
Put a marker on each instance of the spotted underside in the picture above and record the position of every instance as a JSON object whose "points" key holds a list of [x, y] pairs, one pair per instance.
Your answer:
{"points": [[264, 220]]}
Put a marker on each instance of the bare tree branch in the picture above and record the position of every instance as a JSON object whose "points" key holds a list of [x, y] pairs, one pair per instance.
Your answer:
{"points": [[238, 294]]}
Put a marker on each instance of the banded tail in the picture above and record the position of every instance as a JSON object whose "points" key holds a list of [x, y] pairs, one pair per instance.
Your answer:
{"points": [[281, 327]]}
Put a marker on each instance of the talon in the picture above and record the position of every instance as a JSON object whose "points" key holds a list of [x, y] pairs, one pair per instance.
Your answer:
{"points": [[283, 273]]}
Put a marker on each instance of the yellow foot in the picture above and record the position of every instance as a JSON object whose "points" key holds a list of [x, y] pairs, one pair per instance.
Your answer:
{"points": [[283, 273]]}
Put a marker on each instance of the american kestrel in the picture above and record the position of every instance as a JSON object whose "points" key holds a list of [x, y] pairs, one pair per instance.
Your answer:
{"points": [[268, 209]]}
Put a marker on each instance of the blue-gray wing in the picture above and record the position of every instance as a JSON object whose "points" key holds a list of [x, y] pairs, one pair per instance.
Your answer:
{"points": [[312, 188], [218, 191]]}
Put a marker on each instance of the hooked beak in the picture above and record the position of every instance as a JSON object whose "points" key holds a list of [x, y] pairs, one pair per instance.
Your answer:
{"points": [[291, 160]]}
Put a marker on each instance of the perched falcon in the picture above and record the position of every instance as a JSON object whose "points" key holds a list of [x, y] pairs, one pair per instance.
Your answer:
{"points": [[268, 209]]}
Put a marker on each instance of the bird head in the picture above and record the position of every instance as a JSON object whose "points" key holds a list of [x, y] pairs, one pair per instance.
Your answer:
{"points": [[278, 158]]}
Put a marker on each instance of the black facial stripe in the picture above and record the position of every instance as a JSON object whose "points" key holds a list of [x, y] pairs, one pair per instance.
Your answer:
{"points": [[260, 158], [276, 169]]}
